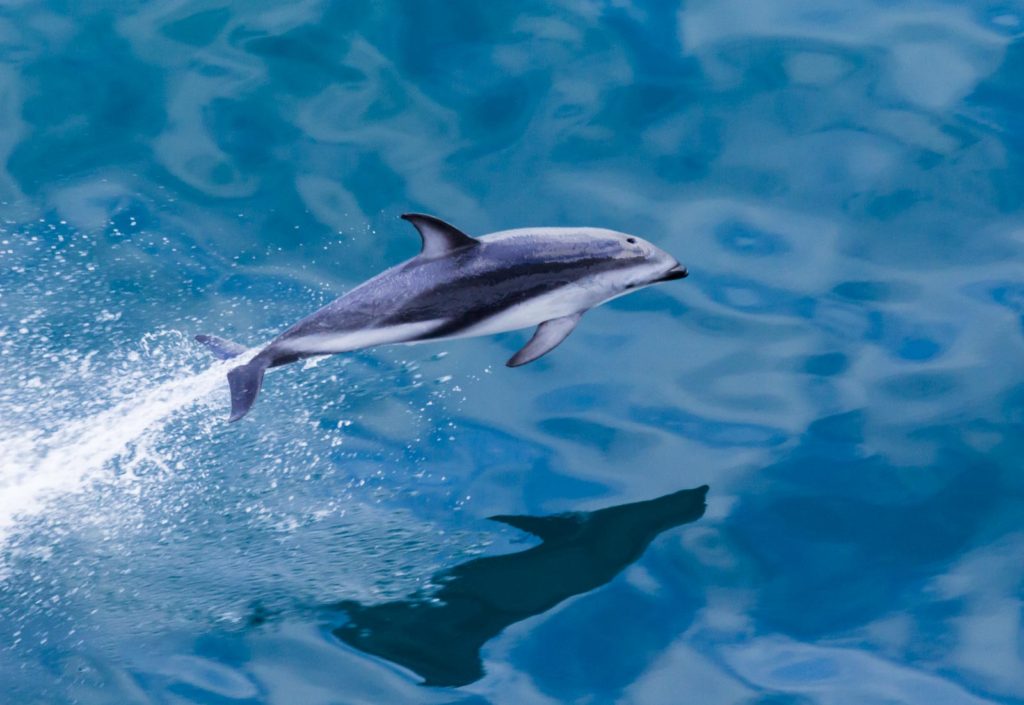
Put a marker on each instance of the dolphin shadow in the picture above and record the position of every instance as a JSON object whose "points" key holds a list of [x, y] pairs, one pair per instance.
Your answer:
{"points": [[439, 634]]}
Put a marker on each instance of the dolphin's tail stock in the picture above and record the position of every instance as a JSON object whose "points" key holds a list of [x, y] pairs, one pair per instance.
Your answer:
{"points": [[245, 382], [222, 349]]}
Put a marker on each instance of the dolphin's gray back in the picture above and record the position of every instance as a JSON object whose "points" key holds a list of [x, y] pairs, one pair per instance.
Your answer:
{"points": [[467, 286]]}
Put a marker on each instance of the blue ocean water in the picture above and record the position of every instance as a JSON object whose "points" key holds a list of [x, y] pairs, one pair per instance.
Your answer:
{"points": [[842, 369]]}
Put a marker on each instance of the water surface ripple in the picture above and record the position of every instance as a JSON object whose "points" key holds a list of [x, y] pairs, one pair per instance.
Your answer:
{"points": [[842, 367]]}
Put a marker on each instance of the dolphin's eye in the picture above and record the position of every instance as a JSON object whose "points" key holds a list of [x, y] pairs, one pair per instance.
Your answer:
{"points": [[631, 240]]}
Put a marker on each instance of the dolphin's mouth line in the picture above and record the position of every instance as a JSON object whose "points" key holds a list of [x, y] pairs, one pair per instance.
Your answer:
{"points": [[677, 272]]}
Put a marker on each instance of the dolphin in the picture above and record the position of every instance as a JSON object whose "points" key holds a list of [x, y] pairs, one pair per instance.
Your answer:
{"points": [[439, 633], [460, 286]]}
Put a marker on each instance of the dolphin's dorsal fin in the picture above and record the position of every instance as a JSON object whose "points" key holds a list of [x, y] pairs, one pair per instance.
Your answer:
{"points": [[547, 528], [439, 238]]}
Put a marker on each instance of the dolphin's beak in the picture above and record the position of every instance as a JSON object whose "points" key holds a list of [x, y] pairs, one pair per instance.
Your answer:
{"points": [[677, 272]]}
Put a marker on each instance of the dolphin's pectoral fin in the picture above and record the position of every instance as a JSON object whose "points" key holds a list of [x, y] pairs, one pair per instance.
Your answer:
{"points": [[245, 382], [222, 349], [545, 339], [547, 528], [439, 238]]}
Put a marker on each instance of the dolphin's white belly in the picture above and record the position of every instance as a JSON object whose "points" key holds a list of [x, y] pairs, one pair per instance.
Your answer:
{"points": [[563, 301], [345, 341]]}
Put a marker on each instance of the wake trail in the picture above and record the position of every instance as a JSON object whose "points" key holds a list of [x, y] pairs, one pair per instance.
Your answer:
{"points": [[36, 469]]}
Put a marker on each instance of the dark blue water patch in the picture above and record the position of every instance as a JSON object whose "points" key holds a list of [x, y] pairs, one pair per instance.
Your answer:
{"points": [[932, 620], [826, 364], [247, 133], [798, 539], [199, 28], [580, 397], [831, 459], [891, 205], [653, 42], [914, 341], [746, 239], [998, 101], [581, 431], [918, 349], [845, 430], [303, 60], [616, 442], [431, 47], [1008, 293], [605, 641], [501, 115], [921, 386], [719, 434], [718, 325], [864, 290], [924, 531], [780, 699], [764, 61], [841, 471], [1012, 405], [927, 159], [91, 105]]}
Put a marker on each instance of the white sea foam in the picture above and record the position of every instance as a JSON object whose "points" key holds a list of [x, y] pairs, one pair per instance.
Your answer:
{"points": [[37, 469]]}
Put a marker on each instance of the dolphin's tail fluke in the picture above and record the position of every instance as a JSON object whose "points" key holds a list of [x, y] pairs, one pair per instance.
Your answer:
{"points": [[222, 349], [245, 381]]}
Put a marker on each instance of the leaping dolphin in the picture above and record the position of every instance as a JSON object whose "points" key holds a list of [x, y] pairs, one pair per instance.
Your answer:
{"points": [[460, 286]]}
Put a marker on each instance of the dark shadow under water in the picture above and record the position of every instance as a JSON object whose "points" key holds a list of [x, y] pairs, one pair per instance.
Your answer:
{"points": [[439, 634]]}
